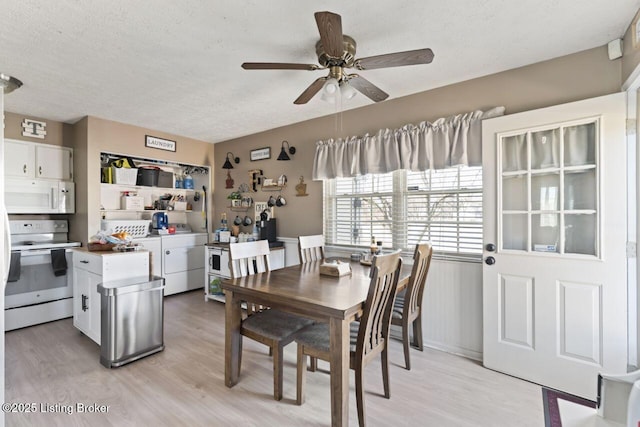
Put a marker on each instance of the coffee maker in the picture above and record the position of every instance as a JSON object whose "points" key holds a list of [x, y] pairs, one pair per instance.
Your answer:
{"points": [[268, 232]]}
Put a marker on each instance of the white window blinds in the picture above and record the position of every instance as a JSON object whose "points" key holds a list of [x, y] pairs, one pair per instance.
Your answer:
{"points": [[403, 208]]}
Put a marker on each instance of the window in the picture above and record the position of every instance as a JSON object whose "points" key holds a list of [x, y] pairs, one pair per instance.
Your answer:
{"points": [[403, 208]]}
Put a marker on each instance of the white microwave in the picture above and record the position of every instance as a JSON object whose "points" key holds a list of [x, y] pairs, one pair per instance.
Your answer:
{"points": [[33, 196]]}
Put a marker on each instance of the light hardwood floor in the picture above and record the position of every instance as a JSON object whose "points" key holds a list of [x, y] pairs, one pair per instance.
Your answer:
{"points": [[184, 384]]}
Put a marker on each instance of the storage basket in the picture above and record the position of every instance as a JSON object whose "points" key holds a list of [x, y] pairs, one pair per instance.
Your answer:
{"points": [[135, 227], [132, 203], [126, 176]]}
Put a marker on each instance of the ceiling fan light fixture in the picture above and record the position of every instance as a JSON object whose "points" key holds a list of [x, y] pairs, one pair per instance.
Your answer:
{"points": [[227, 164], [330, 90], [347, 91]]}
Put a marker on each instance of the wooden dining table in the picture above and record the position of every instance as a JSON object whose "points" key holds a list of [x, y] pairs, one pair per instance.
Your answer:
{"points": [[302, 290]]}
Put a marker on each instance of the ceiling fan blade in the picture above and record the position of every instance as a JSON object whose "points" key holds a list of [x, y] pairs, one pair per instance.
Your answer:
{"points": [[367, 88], [410, 57], [330, 28], [310, 91], [278, 66]]}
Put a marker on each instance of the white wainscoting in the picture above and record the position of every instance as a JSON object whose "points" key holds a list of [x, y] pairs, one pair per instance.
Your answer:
{"points": [[452, 317], [452, 308], [291, 256]]}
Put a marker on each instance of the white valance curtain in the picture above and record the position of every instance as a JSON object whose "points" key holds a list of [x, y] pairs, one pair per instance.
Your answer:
{"points": [[446, 142]]}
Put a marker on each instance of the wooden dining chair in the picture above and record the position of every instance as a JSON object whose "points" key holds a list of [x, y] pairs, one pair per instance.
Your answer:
{"points": [[311, 248], [369, 336], [272, 328], [407, 308]]}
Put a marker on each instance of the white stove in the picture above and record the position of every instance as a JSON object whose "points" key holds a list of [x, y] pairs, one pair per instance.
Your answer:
{"points": [[40, 285], [29, 245], [40, 234]]}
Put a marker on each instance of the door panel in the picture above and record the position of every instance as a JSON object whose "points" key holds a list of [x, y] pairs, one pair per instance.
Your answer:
{"points": [[579, 321], [554, 204], [516, 310]]}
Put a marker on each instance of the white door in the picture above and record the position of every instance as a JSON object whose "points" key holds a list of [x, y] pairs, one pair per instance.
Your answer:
{"points": [[554, 282]]}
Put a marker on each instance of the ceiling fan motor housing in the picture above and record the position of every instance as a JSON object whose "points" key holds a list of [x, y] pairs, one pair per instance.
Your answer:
{"points": [[348, 54]]}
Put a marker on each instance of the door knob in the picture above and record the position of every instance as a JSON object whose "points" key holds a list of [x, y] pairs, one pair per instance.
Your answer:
{"points": [[490, 260], [490, 247]]}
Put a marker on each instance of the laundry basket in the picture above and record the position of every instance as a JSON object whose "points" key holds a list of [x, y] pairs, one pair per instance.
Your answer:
{"points": [[135, 227]]}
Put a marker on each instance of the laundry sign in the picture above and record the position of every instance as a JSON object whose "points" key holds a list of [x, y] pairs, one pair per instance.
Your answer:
{"points": [[159, 143], [34, 128]]}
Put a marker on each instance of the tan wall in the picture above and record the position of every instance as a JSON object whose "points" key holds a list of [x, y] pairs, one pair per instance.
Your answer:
{"points": [[113, 137], [91, 136], [55, 130], [578, 76], [630, 54], [78, 223]]}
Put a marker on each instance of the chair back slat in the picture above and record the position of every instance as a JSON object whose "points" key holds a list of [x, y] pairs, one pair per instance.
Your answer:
{"points": [[311, 248], [376, 317], [249, 258], [415, 287]]}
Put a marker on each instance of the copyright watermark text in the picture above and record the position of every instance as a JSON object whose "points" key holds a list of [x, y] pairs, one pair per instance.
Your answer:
{"points": [[55, 408]]}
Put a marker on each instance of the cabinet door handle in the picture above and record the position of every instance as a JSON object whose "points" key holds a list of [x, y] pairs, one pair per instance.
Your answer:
{"points": [[40, 170], [84, 261], [24, 168], [168, 252], [84, 302]]}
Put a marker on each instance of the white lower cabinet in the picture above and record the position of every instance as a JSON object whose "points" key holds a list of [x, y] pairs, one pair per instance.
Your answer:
{"points": [[183, 262], [92, 268]]}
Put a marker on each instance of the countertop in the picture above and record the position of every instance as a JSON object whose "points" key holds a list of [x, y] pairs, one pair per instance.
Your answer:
{"points": [[154, 236], [86, 250], [226, 245]]}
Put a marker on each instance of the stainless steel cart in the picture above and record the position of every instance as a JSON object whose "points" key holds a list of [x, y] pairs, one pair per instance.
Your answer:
{"points": [[132, 319]]}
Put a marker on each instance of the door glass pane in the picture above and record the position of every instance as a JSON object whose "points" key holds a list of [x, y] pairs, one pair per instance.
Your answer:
{"points": [[545, 232], [545, 151], [580, 189], [580, 234], [580, 145], [514, 153], [514, 193], [550, 188], [545, 192], [514, 231]]}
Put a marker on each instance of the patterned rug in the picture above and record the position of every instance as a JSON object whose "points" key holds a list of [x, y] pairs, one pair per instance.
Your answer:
{"points": [[552, 411]]}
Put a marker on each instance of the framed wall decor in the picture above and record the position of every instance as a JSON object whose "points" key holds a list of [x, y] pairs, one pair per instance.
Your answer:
{"points": [[261, 154], [159, 143]]}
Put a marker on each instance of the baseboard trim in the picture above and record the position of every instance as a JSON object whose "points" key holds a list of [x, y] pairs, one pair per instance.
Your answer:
{"points": [[469, 354]]}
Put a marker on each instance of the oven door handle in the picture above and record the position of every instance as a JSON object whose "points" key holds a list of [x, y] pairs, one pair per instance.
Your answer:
{"points": [[34, 252], [7, 250]]}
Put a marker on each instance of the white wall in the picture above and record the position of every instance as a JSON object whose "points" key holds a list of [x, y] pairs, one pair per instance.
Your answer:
{"points": [[452, 308]]}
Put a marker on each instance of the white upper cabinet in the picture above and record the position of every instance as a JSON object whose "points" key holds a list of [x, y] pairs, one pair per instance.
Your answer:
{"points": [[19, 159], [54, 163], [41, 161]]}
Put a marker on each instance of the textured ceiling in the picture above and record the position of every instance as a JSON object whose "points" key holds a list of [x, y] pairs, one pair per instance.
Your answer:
{"points": [[174, 66]]}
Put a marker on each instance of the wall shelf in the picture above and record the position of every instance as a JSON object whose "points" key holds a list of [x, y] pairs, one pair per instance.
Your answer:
{"points": [[273, 187], [127, 187], [143, 210]]}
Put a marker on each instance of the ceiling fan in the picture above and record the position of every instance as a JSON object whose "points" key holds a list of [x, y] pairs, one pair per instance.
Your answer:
{"points": [[336, 52]]}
